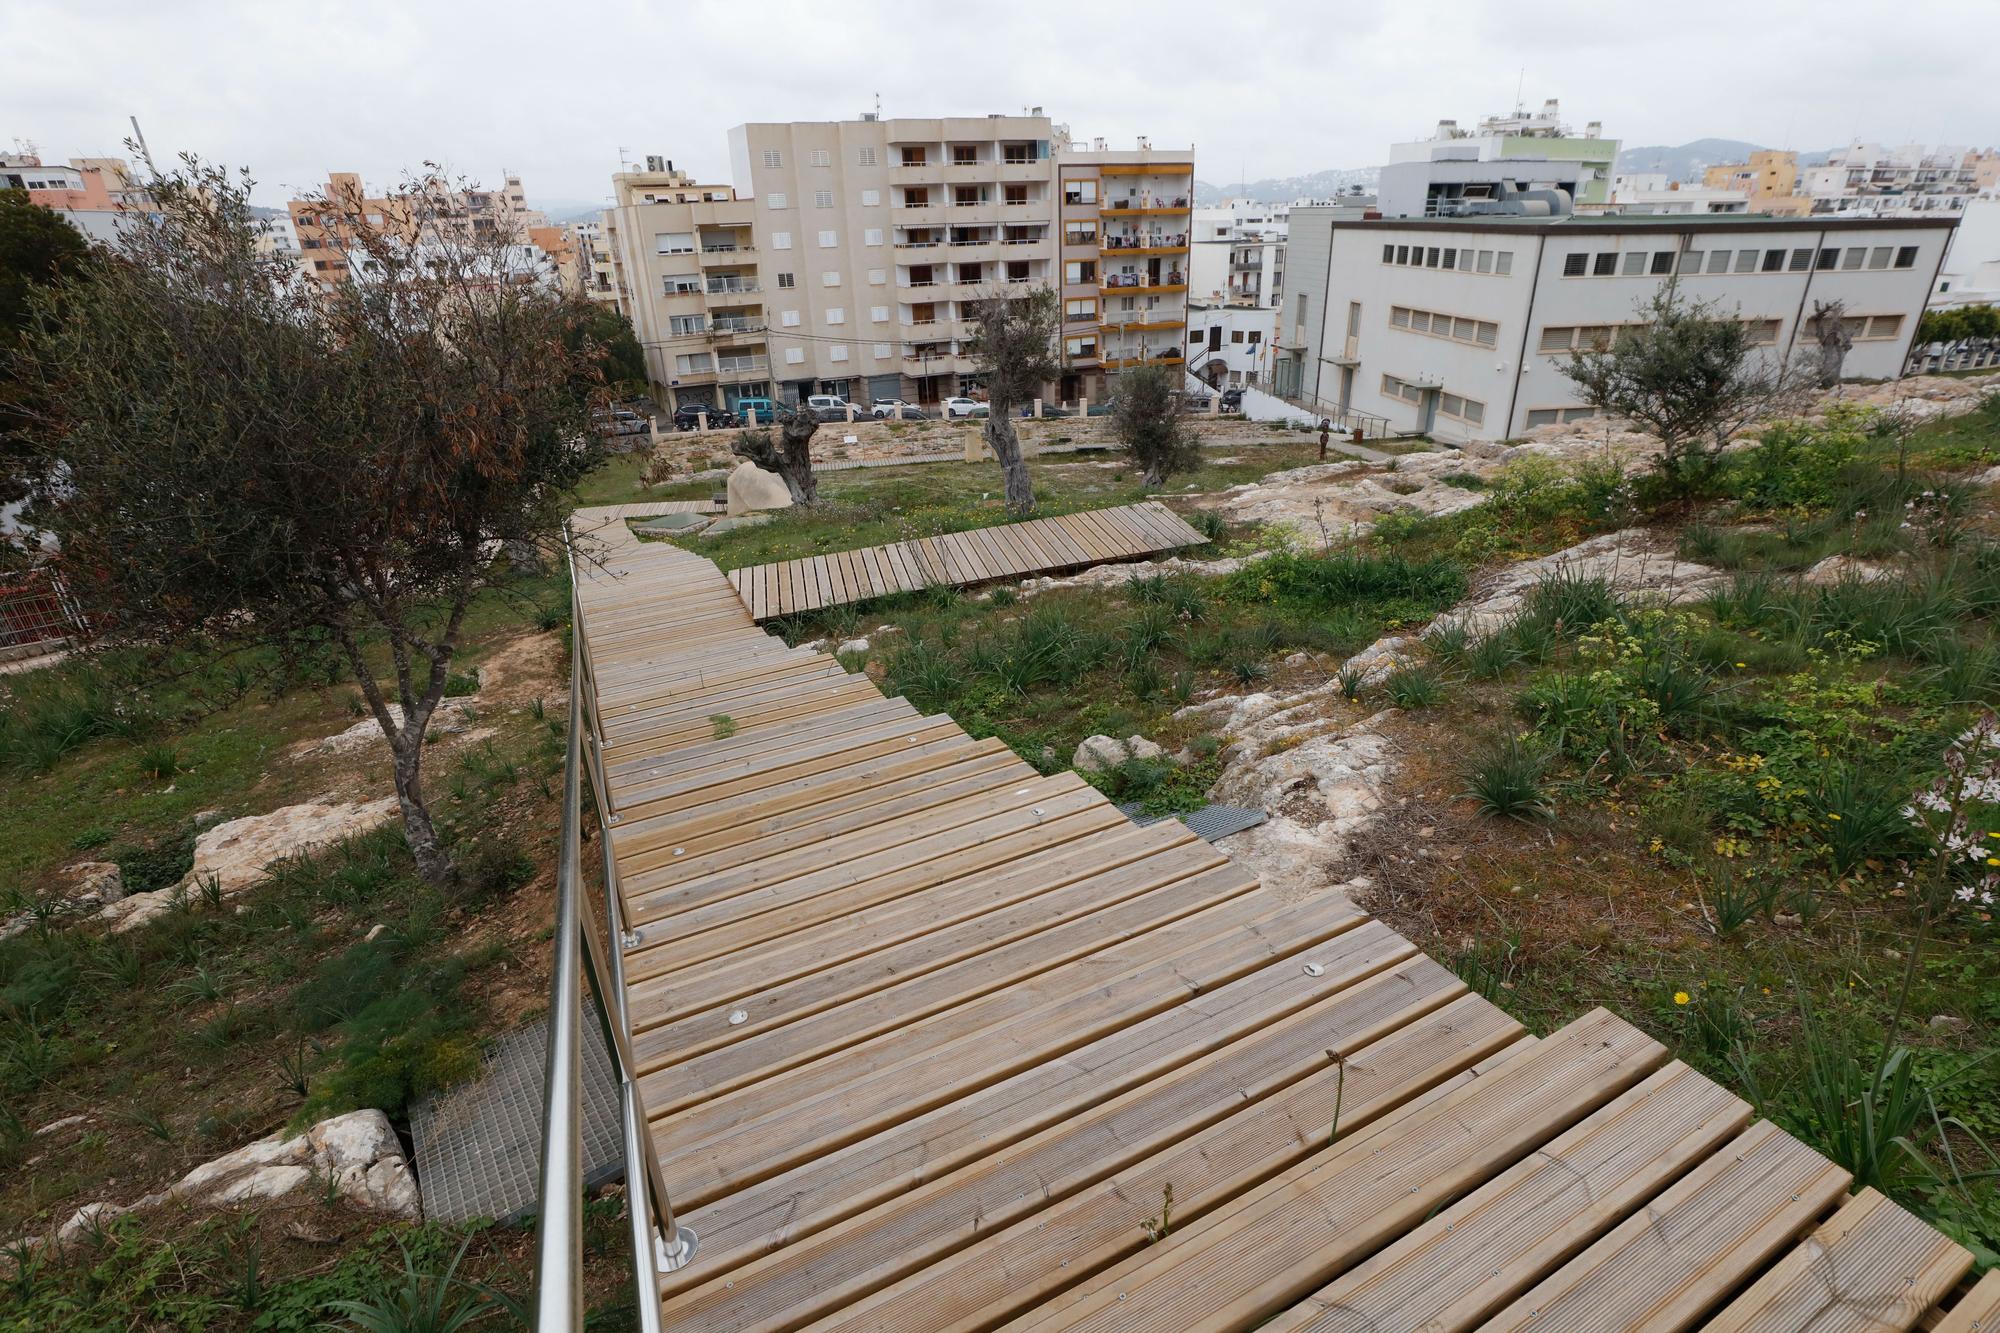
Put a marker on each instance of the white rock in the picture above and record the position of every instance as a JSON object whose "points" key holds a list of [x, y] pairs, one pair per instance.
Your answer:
{"points": [[1382, 658], [92, 883], [1099, 753], [1847, 569], [90, 1217], [58, 1126], [751, 488], [852, 646], [1638, 564], [448, 719], [236, 852]]}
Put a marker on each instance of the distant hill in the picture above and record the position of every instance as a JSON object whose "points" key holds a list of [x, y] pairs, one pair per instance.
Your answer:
{"points": [[569, 211], [1687, 162], [1283, 190]]}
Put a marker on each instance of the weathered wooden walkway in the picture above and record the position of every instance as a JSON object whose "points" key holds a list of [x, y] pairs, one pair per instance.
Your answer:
{"points": [[928, 1038], [962, 559]]}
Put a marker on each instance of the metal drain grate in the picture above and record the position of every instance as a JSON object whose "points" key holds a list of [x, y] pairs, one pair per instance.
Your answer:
{"points": [[479, 1145], [1210, 822]]}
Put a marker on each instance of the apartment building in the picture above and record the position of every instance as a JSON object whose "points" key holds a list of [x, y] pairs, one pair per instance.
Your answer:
{"points": [[848, 257], [1238, 254], [1652, 192], [96, 195], [1125, 239], [326, 226], [1768, 179], [1458, 328], [685, 262], [1869, 180]]}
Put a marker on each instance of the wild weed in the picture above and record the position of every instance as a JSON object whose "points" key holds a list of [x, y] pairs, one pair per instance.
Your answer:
{"points": [[1505, 777], [1413, 687]]}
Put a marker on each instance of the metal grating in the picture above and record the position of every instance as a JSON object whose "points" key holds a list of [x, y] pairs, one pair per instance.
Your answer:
{"points": [[1210, 822], [478, 1145]]}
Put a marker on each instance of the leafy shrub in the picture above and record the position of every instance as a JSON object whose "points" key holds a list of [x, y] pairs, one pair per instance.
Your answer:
{"points": [[1400, 588], [1795, 464], [1570, 602]]}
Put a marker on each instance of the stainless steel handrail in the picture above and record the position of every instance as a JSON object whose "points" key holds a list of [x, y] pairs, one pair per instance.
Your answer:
{"points": [[559, 1240]]}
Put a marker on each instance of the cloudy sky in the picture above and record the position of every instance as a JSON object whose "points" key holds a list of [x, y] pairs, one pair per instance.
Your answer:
{"points": [[554, 91]]}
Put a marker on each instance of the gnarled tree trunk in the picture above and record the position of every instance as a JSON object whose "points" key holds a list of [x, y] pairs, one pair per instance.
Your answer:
{"points": [[1005, 442], [790, 457]]}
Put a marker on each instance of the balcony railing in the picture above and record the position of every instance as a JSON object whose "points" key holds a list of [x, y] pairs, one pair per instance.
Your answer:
{"points": [[733, 328], [1146, 203], [1141, 282], [741, 365], [731, 288]]}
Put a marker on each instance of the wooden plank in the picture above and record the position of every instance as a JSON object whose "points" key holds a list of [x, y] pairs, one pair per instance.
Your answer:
{"points": [[925, 1147], [1269, 1250], [1468, 1261], [1978, 1311], [1871, 1266], [1669, 1266], [1073, 1195]]}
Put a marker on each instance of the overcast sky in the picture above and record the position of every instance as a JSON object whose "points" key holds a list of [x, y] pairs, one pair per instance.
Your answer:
{"points": [[553, 91]]}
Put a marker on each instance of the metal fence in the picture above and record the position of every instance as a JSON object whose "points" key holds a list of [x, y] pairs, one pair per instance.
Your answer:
{"points": [[35, 615]]}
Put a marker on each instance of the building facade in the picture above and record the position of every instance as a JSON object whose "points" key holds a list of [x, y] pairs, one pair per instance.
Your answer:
{"points": [[1869, 180], [1232, 346], [1459, 328], [848, 257], [96, 195], [1769, 179], [326, 226]]}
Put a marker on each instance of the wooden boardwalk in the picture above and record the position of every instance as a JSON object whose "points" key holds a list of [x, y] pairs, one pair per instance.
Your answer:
{"points": [[926, 1037], [962, 559]]}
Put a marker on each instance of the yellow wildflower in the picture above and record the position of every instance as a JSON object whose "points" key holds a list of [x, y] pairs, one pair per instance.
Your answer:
{"points": [[1680, 997]]}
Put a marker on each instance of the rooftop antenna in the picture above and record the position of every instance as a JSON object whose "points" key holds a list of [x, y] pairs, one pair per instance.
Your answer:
{"points": [[1520, 80], [878, 106], [144, 152]]}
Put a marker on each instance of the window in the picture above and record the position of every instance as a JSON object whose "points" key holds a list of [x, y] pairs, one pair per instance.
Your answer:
{"points": [[1802, 259], [1718, 261], [1451, 257], [881, 351], [781, 240], [1080, 270], [871, 198], [1084, 346], [1828, 257], [677, 284], [785, 280], [1480, 332], [1080, 191], [1402, 254], [879, 313], [821, 158], [1605, 265], [680, 326], [1663, 261], [1431, 257], [1746, 261], [1388, 254], [1256, 336], [777, 200], [872, 236], [1906, 256], [772, 158], [828, 240], [1774, 261], [864, 157], [1690, 261], [830, 278], [1236, 335], [674, 243], [692, 363], [913, 157], [822, 198], [1854, 257], [1554, 338], [1484, 263], [836, 314], [837, 352], [1541, 416], [1080, 308], [964, 155], [1634, 263], [1763, 332], [1879, 257], [878, 277], [789, 319], [794, 355], [1880, 326], [1503, 262]]}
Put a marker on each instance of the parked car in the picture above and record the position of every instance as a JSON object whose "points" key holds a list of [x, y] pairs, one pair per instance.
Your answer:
{"points": [[618, 421], [893, 409], [760, 411], [964, 407], [831, 407], [688, 416], [1194, 402], [1049, 410], [1232, 400]]}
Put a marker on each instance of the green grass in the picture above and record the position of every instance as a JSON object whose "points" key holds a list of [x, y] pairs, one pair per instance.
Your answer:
{"points": [[875, 506]]}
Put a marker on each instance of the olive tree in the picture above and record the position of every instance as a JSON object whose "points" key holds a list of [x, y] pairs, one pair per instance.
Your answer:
{"points": [[39, 253], [1014, 350], [254, 458], [1688, 376], [1148, 422], [1831, 333], [790, 456]]}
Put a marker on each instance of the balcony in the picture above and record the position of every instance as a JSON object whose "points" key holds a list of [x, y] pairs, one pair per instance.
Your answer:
{"points": [[1146, 245], [1112, 323], [1128, 284], [939, 363], [1144, 205], [732, 368], [1026, 170], [1173, 358], [917, 215], [972, 252], [734, 330], [727, 254], [732, 287]]}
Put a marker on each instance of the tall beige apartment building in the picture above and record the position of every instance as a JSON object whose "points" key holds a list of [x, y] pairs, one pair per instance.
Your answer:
{"points": [[846, 257]]}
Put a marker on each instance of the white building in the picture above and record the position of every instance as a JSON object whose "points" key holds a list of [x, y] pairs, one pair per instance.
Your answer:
{"points": [[1652, 192], [1458, 328], [1869, 180], [1503, 157], [1971, 272], [1238, 253], [1232, 346]]}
